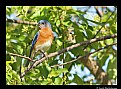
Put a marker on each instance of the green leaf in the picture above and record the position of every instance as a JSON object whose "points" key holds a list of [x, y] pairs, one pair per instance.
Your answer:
{"points": [[106, 16], [59, 43], [89, 33], [9, 62], [79, 36], [26, 8], [55, 73], [82, 18], [44, 71], [112, 67], [54, 62], [22, 38], [67, 58], [19, 49], [109, 41], [103, 59], [112, 63], [62, 70], [12, 78], [102, 43], [58, 22], [98, 23], [66, 23], [71, 11], [78, 51], [8, 11], [58, 81], [77, 79], [45, 82], [113, 30], [112, 73], [82, 67], [8, 36], [95, 45]]}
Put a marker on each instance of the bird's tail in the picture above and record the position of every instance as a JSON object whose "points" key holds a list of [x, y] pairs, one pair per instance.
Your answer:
{"points": [[27, 63]]}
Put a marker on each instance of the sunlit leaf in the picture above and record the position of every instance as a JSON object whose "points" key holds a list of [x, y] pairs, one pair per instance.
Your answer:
{"points": [[67, 59], [58, 81], [44, 71], [59, 43], [55, 73], [22, 38], [77, 79]]}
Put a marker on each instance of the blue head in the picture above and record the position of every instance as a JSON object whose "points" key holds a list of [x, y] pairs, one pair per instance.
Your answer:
{"points": [[44, 23]]}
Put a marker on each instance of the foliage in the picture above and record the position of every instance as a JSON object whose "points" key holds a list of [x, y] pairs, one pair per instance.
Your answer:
{"points": [[71, 26]]}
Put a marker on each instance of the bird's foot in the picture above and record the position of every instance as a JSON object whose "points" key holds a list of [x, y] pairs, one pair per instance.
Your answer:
{"points": [[45, 55]]}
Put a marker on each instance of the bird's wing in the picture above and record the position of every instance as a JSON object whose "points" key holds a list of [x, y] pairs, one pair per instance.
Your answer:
{"points": [[34, 42]]}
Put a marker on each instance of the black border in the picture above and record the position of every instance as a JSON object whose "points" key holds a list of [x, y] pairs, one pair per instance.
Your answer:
{"points": [[43, 3]]}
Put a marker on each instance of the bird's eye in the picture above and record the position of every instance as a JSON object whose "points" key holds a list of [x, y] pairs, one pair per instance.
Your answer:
{"points": [[42, 23]]}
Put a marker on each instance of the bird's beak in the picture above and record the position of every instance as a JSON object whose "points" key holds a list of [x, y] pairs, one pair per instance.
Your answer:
{"points": [[39, 26]]}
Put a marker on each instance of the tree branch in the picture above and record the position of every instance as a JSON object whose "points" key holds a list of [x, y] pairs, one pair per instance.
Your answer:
{"points": [[21, 22], [93, 66], [67, 49], [82, 57], [99, 12], [12, 54]]}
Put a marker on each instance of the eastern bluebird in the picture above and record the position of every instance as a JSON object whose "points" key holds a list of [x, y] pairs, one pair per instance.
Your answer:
{"points": [[42, 40]]}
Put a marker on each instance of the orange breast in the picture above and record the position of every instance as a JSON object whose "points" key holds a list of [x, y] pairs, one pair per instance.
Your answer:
{"points": [[45, 35]]}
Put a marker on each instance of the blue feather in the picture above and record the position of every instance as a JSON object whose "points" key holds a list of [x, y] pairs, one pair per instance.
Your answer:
{"points": [[33, 43]]}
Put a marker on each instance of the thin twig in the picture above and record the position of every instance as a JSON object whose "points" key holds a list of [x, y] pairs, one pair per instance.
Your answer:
{"points": [[100, 13], [21, 22], [13, 54], [81, 57]]}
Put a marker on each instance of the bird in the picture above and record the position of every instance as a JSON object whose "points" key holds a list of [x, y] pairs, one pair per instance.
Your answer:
{"points": [[42, 40]]}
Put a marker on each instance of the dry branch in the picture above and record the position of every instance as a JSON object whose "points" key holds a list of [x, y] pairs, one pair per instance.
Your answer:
{"points": [[67, 49], [21, 22], [81, 57], [13, 54]]}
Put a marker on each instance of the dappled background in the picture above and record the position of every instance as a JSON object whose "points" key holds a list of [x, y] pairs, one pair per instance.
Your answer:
{"points": [[71, 25]]}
